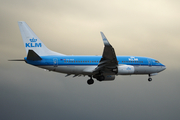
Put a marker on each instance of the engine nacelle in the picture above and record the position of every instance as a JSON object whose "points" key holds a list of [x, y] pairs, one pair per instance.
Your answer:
{"points": [[109, 77], [125, 70], [105, 77]]}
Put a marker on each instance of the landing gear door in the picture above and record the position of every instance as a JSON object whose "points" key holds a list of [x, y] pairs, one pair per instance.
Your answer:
{"points": [[149, 62], [55, 62]]}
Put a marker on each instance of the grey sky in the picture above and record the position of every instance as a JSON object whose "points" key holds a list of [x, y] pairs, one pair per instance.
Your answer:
{"points": [[142, 28]]}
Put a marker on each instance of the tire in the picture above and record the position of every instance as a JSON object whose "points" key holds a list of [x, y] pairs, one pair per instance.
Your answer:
{"points": [[90, 81], [149, 79]]}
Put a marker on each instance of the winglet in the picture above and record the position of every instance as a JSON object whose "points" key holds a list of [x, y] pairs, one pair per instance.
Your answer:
{"points": [[106, 43]]}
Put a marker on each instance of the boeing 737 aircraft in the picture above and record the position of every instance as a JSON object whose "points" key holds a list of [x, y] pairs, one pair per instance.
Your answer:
{"points": [[102, 68]]}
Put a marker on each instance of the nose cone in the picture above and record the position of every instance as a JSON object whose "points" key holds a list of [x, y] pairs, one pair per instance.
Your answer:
{"points": [[163, 68]]}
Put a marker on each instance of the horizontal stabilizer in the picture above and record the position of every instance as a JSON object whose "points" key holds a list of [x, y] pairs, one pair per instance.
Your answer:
{"points": [[33, 56], [17, 60]]}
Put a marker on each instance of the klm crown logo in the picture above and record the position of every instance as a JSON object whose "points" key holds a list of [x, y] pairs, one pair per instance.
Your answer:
{"points": [[33, 43], [33, 40]]}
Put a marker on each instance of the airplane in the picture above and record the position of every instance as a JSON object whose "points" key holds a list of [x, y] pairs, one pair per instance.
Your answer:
{"points": [[101, 68]]}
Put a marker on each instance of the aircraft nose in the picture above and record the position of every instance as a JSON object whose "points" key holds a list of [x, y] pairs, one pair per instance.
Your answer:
{"points": [[163, 68]]}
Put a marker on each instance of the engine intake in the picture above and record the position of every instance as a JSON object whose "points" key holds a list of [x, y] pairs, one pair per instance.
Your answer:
{"points": [[125, 70]]}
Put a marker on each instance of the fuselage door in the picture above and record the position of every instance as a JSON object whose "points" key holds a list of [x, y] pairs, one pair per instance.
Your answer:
{"points": [[55, 62], [149, 62]]}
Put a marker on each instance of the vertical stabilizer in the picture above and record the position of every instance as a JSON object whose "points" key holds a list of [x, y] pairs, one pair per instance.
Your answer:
{"points": [[32, 42]]}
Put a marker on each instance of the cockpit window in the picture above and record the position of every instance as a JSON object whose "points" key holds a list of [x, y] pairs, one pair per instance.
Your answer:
{"points": [[157, 61]]}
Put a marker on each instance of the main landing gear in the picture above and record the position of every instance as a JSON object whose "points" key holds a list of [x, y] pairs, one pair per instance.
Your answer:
{"points": [[149, 79], [90, 81]]}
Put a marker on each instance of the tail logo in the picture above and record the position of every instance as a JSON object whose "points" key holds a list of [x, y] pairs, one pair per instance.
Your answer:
{"points": [[33, 40], [33, 43]]}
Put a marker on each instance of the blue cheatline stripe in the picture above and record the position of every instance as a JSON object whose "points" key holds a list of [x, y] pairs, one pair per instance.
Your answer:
{"points": [[74, 60], [88, 65]]}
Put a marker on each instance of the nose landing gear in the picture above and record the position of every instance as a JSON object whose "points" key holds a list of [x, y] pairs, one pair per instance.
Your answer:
{"points": [[149, 79]]}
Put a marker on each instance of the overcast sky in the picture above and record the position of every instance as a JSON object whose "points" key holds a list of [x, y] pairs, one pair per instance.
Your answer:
{"points": [[72, 27]]}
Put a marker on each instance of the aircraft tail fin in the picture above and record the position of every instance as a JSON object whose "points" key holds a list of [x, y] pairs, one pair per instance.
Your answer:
{"points": [[32, 42]]}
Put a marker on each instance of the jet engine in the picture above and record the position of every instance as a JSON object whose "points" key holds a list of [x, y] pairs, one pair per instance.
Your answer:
{"points": [[125, 70], [105, 77]]}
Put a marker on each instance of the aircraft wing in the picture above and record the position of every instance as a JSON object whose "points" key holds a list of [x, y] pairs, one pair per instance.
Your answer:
{"points": [[108, 62]]}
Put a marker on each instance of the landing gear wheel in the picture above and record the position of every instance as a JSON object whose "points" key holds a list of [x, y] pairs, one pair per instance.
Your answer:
{"points": [[149, 79], [90, 81]]}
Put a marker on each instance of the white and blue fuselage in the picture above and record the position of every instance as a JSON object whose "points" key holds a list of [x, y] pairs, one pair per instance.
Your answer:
{"points": [[102, 68], [78, 64]]}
